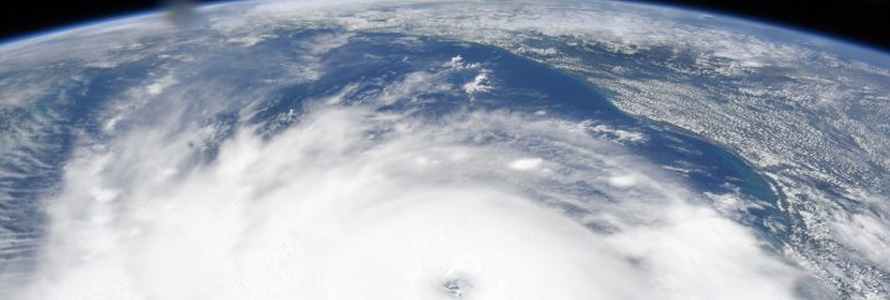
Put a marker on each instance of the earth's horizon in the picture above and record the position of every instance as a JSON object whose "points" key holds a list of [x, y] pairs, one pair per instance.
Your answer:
{"points": [[442, 150]]}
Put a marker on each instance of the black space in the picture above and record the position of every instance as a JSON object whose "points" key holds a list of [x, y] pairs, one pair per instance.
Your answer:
{"points": [[861, 21], [22, 18], [865, 22]]}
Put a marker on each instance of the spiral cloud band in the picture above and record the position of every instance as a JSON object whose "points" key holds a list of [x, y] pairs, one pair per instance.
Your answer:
{"points": [[357, 204]]}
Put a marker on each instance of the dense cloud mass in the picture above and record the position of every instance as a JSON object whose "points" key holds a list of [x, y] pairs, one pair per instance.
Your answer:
{"points": [[353, 203], [423, 150]]}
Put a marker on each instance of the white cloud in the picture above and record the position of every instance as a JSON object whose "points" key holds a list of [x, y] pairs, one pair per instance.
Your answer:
{"points": [[619, 135], [524, 164], [478, 85], [251, 40], [623, 181], [867, 233], [324, 212], [159, 85]]}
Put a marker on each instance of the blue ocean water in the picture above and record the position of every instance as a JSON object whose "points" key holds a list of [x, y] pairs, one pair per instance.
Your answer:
{"points": [[365, 66]]}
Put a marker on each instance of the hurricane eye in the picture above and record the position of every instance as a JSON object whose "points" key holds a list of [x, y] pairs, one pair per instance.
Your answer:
{"points": [[455, 288]]}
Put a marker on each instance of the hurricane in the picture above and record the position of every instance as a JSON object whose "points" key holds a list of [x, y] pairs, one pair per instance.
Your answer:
{"points": [[442, 150]]}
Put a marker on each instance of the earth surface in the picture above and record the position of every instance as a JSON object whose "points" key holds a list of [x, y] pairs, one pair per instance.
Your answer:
{"points": [[442, 150]]}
